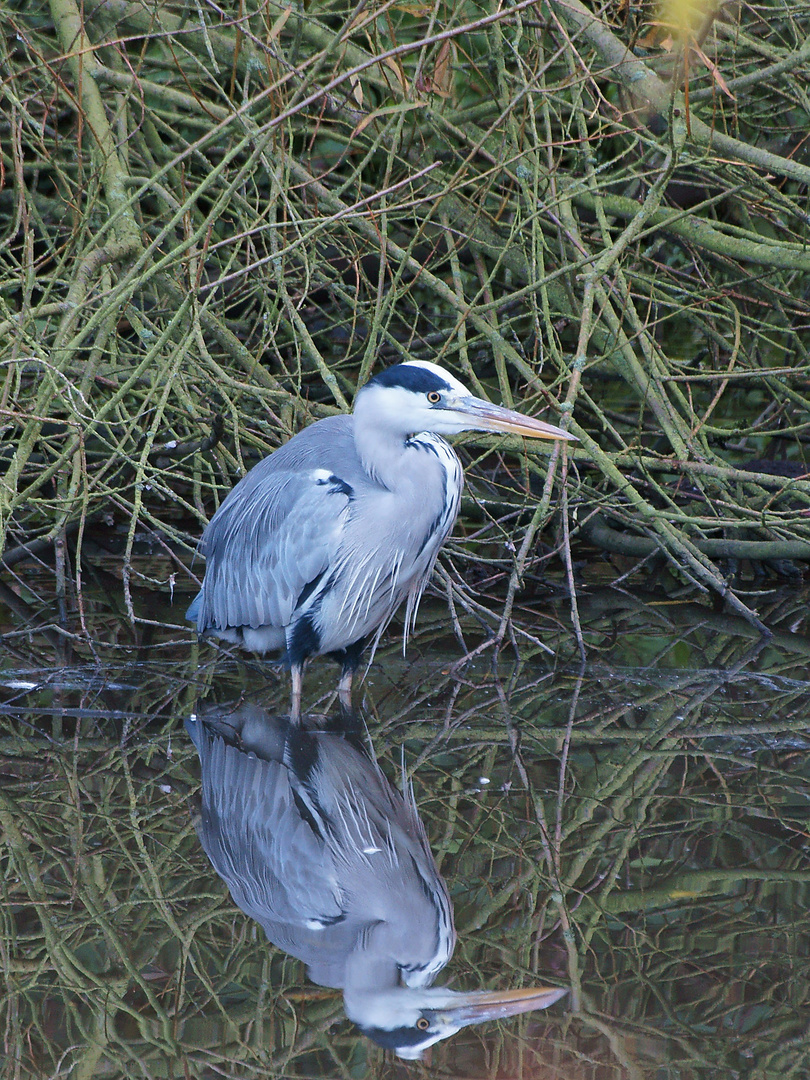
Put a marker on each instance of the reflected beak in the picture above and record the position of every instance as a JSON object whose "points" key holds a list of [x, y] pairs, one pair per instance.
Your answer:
{"points": [[484, 416], [478, 1006]]}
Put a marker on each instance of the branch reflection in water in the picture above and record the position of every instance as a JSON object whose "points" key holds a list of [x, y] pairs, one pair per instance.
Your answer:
{"points": [[334, 863]]}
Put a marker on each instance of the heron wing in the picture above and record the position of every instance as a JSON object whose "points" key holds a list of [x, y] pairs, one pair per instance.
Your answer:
{"points": [[269, 543], [270, 851], [274, 864], [314, 843]]}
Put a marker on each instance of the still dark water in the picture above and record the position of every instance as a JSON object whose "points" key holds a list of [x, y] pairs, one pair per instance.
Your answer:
{"points": [[636, 829]]}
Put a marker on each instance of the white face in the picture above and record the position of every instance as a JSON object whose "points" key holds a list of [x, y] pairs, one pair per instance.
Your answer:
{"points": [[407, 411], [414, 1053], [413, 1020], [418, 1012], [420, 396]]}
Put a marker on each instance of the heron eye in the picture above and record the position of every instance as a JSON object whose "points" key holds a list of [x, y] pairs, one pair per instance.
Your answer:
{"points": [[434, 397], [423, 1023]]}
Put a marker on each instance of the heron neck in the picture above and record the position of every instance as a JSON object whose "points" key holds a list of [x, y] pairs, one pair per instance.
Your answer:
{"points": [[382, 453], [366, 973]]}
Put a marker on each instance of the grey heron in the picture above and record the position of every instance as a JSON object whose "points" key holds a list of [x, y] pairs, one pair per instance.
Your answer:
{"points": [[334, 864], [317, 547]]}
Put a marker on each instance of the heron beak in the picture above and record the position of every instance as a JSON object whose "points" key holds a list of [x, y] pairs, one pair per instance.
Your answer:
{"points": [[481, 1005], [484, 416]]}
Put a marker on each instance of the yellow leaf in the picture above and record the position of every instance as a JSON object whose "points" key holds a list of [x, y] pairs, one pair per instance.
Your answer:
{"points": [[386, 110], [398, 71], [686, 17], [419, 10], [357, 89], [442, 80], [715, 71], [278, 25]]}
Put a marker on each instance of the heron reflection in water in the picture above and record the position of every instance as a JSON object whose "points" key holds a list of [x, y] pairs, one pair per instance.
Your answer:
{"points": [[314, 551], [334, 864]]}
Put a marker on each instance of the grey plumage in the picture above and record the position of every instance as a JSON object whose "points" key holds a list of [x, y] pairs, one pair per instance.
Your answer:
{"points": [[334, 863], [318, 546], [316, 846], [292, 539]]}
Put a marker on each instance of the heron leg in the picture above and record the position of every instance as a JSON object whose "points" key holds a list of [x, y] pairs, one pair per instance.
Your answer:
{"points": [[345, 688], [297, 672], [348, 658]]}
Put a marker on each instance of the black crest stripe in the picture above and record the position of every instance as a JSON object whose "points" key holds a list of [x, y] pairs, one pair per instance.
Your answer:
{"points": [[410, 377]]}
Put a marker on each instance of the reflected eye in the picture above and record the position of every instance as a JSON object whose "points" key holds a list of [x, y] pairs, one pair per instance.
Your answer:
{"points": [[423, 1023], [434, 397]]}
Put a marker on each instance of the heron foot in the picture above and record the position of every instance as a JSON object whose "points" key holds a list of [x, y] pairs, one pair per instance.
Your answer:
{"points": [[297, 673]]}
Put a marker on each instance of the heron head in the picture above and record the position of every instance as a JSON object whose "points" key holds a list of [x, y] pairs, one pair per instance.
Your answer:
{"points": [[420, 396], [409, 1021]]}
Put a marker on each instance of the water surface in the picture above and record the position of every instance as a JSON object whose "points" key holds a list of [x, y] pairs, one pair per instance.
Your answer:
{"points": [[634, 828]]}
